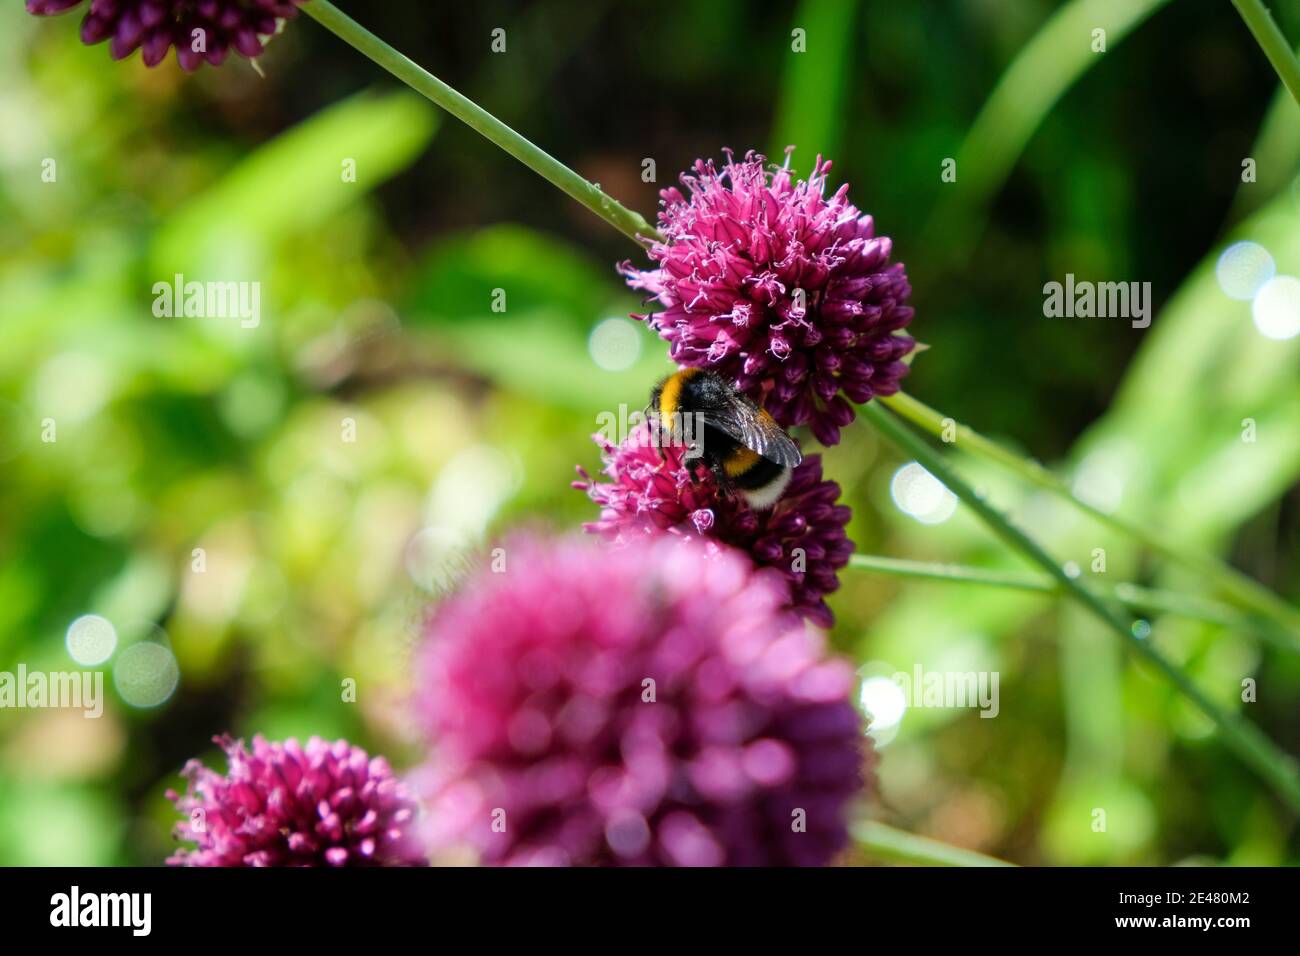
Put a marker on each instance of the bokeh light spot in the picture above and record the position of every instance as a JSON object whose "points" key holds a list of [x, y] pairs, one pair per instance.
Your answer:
{"points": [[71, 386], [146, 674], [91, 640], [919, 494], [1276, 309], [472, 487], [1099, 479], [1242, 269], [884, 703], [614, 344]]}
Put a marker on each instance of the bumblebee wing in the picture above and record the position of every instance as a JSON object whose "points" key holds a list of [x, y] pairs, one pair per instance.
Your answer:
{"points": [[755, 429]]}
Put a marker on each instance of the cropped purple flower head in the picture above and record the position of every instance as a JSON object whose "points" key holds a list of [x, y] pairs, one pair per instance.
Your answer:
{"points": [[199, 29], [802, 536], [787, 293], [649, 705], [326, 804]]}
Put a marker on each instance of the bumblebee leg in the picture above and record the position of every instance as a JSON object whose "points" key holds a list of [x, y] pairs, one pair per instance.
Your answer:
{"points": [[656, 432], [692, 465]]}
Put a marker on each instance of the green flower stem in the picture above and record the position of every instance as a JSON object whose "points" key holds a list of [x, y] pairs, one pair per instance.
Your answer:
{"points": [[1243, 738], [887, 843], [626, 221], [1229, 583], [1130, 595], [1272, 42]]}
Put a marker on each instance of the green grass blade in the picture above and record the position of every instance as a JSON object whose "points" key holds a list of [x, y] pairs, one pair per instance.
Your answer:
{"points": [[1058, 55], [888, 843], [1272, 42], [811, 104], [1130, 595]]}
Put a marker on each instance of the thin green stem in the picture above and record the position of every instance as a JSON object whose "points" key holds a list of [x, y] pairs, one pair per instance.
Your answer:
{"points": [[1228, 582], [1132, 596], [888, 843], [1272, 42], [1243, 738], [626, 221]]}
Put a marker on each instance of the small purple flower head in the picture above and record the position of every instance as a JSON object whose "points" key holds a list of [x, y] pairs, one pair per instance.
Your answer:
{"points": [[787, 293], [802, 536], [648, 705], [327, 804], [199, 29]]}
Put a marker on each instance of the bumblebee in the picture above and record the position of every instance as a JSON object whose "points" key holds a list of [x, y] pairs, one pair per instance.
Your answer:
{"points": [[742, 445]]}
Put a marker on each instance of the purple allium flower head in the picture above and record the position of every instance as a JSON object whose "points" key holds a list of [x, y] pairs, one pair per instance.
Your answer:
{"points": [[648, 705], [154, 26], [326, 804], [802, 536], [787, 293]]}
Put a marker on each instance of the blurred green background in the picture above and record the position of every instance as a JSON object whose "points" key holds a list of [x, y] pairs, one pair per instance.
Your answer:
{"points": [[187, 443]]}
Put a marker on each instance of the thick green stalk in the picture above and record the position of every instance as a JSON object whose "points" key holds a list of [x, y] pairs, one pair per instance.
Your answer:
{"points": [[1132, 596], [626, 221], [1229, 583], [1272, 42], [1242, 737], [887, 843]]}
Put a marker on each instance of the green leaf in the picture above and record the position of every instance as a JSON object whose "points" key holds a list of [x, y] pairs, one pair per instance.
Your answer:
{"points": [[889, 843], [535, 271], [1053, 61], [546, 358], [294, 184], [548, 297], [810, 110]]}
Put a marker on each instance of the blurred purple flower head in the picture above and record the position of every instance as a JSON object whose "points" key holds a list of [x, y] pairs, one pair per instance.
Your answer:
{"points": [[154, 26], [649, 705], [327, 804], [787, 293], [802, 536]]}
